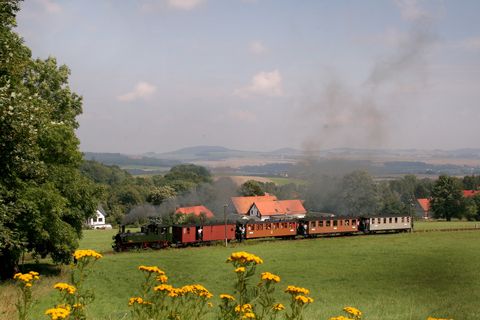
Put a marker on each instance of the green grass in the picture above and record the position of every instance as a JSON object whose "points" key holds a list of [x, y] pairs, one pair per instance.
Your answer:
{"points": [[394, 277], [439, 225]]}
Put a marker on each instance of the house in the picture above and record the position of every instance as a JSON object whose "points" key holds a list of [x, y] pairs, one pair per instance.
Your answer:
{"points": [[98, 222], [196, 210], [277, 209], [470, 193], [242, 205]]}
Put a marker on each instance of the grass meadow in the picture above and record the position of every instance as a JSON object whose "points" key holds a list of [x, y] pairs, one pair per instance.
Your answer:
{"points": [[388, 277]]}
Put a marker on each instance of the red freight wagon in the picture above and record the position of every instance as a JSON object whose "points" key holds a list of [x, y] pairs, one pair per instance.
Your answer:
{"points": [[326, 225], [217, 232], [184, 234], [265, 229]]}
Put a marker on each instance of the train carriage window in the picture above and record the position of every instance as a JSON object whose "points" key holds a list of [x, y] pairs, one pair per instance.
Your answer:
{"points": [[408, 219], [276, 225], [379, 220], [327, 223], [268, 226], [285, 225], [320, 223], [249, 228], [354, 222], [396, 219], [384, 220], [347, 223], [389, 220], [341, 222], [403, 219], [188, 230], [335, 222], [313, 224]]}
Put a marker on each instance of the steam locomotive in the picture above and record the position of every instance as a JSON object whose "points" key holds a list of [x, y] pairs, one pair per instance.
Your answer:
{"points": [[156, 235]]}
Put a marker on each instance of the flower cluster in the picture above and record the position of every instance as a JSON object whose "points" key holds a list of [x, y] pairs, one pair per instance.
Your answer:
{"points": [[267, 276], [152, 269], [79, 254], [137, 300], [244, 258], [357, 314], [278, 307], [27, 278], [195, 289], [297, 290], [245, 310], [239, 270], [340, 318], [303, 299], [162, 278], [227, 297], [60, 312], [432, 318], [61, 286]]}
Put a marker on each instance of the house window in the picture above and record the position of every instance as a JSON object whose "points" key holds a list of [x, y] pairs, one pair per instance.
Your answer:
{"points": [[100, 219]]}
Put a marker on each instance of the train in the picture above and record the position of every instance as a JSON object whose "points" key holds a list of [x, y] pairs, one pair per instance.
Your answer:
{"points": [[156, 235]]}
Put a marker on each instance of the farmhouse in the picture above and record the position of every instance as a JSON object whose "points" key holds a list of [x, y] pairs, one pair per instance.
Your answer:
{"points": [[424, 203], [98, 222], [275, 209], [196, 210], [242, 205]]}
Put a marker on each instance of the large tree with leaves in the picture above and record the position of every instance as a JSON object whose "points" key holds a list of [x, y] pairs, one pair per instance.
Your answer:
{"points": [[44, 199], [447, 198]]}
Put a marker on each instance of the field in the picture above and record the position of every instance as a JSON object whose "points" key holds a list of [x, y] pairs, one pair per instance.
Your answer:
{"points": [[394, 277]]}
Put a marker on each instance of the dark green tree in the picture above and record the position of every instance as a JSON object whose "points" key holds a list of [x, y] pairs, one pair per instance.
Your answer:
{"points": [[359, 194], [447, 198], [160, 194], [44, 199], [251, 188]]}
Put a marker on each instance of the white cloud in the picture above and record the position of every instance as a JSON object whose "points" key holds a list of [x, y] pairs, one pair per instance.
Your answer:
{"points": [[184, 4], [410, 10], [142, 90], [257, 47], [50, 6], [263, 83]]}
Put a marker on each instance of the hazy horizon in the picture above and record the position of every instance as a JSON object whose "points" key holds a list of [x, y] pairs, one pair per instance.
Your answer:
{"points": [[161, 75]]}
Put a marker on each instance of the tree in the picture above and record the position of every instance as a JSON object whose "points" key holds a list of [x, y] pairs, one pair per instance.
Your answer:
{"points": [[447, 198], [251, 188], [359, 194], [43, 197], [160, 194]]}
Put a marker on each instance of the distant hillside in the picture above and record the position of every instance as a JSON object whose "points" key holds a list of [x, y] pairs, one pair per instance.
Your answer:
{"points": [[126, 160]]}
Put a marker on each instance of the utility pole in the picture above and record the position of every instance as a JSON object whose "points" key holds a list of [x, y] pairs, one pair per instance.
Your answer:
{"points": [[225, 222]]}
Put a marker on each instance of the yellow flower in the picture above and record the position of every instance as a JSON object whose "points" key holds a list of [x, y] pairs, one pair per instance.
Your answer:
{"points": [[61, 286], [77, 306], [340, 318], [432, 318], [227, 297], [243, 308], [270, 277], [134, 300], [297, 290], [278, 307], [79, 254], [244, 258], [58, 313], [353, 311], [240, 269], [152, 269], [163, 287], [303, 299], [163, 278], [248, 315]]}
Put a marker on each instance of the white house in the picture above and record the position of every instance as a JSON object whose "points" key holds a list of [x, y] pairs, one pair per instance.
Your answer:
{"points": [[98, 222]]}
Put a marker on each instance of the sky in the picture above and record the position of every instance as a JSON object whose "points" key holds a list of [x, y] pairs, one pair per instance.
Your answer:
{"points": [[160, 75]]}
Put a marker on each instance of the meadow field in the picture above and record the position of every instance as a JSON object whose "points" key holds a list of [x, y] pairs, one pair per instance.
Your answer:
{"points": [[388, 277]]}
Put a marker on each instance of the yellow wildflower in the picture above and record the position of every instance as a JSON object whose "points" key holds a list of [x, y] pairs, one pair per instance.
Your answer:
{"points": [[133, 300], [61, 286], [248, 315], [227, 297], [297, 290], [240, 270], [303, 299], [152, 269], [244, 258], [162, 278], [340, 318], [243, 308], [278, 307], [353, 311], [58, 313], [270, 277], [79, 254], [163, 287], [432, 318]]}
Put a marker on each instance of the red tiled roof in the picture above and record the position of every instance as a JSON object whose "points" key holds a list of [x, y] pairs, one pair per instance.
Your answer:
{"points": [[243, 204], [470, 193], [424, 203], [280, 207], [197, 210]]}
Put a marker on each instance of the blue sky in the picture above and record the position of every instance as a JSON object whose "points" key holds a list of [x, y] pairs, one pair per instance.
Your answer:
{"points": [[158, 75]]}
